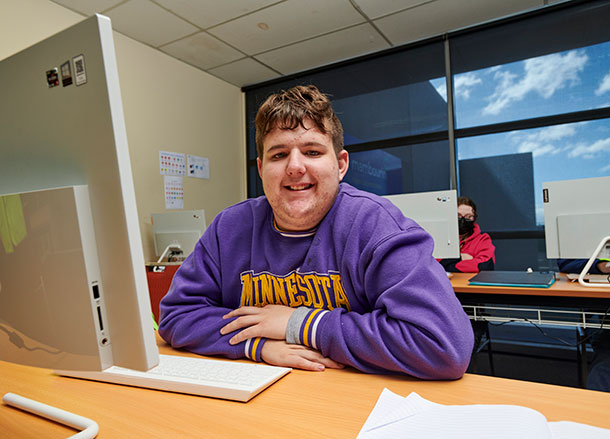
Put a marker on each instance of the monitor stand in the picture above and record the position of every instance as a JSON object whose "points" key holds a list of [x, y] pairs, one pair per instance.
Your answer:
{"points": [[87, 427], [602, 249]]}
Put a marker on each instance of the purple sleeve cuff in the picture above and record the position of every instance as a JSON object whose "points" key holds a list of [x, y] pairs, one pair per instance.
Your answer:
{"points": [[308, 334], [253, 348]]}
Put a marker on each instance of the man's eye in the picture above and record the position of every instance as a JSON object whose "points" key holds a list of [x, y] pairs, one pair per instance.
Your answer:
{"points": [[313, 153], [278, 156]]}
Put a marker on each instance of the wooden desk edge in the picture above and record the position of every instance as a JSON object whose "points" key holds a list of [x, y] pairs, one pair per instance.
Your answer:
{"points": [[562, 287]]}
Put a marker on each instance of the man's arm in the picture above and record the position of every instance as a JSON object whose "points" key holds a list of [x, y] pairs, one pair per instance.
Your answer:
{"points": [[192, 316], [576, 266], [416, 325], [193, 309]]}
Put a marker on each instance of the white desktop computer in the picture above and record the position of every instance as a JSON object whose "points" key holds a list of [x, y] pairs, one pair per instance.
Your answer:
{"points": [[73, 288], [52, 299], [64, 127], [436, 212], [577, 220], [177, 232]]}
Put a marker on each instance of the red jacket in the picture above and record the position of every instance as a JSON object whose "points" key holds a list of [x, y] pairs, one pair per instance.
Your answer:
{"points": [[480, 247]]}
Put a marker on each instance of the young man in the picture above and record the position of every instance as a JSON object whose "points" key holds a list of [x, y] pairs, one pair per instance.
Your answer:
{"points": [[476, 248], [316, 273]]}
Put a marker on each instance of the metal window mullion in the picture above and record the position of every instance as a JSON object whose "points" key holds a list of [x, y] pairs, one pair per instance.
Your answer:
{"points": [[453, 171]]}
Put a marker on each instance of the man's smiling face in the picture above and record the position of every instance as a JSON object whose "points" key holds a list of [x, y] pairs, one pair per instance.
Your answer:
{"points": [[301, 173]]}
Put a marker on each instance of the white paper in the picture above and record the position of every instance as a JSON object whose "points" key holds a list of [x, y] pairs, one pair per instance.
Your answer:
{"points": [[415, 417], [198, 167], [171, 163], [574, 430], [174, 192]]}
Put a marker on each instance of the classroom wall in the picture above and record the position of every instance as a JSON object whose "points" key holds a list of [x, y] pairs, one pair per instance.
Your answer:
{"points": [[168, 106]]}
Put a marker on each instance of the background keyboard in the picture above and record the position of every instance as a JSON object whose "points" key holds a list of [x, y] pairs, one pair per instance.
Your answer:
{"points": [[198, 376]]}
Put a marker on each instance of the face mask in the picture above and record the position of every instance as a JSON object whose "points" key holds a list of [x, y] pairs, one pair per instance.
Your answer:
{"points": [[466, 226]]}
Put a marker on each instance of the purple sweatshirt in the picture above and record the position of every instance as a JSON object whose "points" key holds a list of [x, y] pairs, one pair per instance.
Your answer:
{"points": [[376, 299]]}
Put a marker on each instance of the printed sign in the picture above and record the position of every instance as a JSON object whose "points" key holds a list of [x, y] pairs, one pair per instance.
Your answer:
{"points": [[66, 74], [80, 72], [172, 163], [174, 192], [198, 167], [52, 78]]}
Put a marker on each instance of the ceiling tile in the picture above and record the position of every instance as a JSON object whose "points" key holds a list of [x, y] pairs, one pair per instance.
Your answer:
{"points": [[378, 8], [441, 16], [244, 72], [148, 23], [88, 7], [345, 44], [206, 13], [202, 50], [286, 23]]}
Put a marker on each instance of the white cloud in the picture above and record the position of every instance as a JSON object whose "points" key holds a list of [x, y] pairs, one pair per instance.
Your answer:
{"points": [[544, 75], [555, 132], [589, 151], [463, 84], [544, 141], [604, 86], [537, 149], [604, 169]]}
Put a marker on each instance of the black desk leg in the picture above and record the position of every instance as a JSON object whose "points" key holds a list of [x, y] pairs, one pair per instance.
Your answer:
{"points": [[581, 357]]}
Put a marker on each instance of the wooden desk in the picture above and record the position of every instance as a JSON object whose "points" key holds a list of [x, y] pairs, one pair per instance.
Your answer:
{"points": [[329, 404], [565, 303], [561, 288]]}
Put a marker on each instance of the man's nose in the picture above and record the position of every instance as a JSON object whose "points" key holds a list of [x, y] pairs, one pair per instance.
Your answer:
{"points": [[296, 163]]}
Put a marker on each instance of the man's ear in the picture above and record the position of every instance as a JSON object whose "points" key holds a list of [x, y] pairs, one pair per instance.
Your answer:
{"points": [[343, 160], [259, 166]]}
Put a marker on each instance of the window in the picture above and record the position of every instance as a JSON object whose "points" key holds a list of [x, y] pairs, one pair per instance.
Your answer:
{"points": [[384, 103], [403, 169], [531, 103]]}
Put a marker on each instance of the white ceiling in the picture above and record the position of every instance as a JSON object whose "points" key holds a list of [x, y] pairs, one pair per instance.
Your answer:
{"points": [[249, 41]]}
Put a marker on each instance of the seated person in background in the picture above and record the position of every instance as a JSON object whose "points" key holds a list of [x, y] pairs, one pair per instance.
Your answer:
{"points": [[316, 273], [477, 251], [599, 372], [576, 266]]}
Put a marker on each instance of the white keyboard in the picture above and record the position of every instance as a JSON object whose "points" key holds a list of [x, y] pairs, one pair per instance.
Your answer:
{"points": [[198, 376]]}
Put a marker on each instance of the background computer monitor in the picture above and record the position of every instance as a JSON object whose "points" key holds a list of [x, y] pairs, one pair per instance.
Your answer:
{"points": [[436, 212], [576, 216], [177, 229], [62, 125]]}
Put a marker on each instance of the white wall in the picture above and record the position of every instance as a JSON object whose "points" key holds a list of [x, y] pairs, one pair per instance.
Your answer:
{"points": [[168, 106]]}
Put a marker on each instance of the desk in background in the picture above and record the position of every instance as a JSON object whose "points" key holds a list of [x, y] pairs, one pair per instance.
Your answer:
{"points": [[564, 303], [333, 404]]}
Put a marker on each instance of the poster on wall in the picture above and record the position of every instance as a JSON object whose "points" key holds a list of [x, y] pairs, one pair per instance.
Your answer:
{"points": [[172, 163], [174, 192], [198, 167]]}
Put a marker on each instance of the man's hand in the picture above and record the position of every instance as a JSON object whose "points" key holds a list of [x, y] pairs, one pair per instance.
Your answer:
{"points": [[269, 321], [280, 353], [604, 267], [466, 256]]}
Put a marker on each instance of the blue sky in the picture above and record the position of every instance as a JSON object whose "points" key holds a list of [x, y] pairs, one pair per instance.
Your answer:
{"points": [[552, 84]]}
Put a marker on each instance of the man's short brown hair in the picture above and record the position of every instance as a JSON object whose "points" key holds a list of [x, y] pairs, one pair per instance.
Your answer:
{"points": [[289, 109]]}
